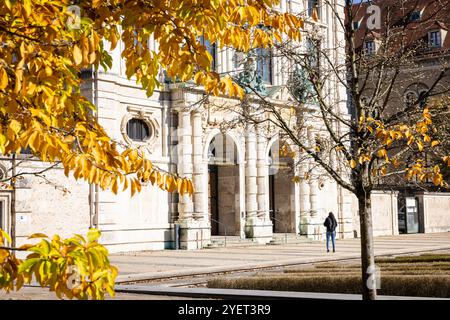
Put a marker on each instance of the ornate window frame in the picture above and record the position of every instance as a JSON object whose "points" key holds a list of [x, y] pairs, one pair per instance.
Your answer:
{"points": [[416, 89], [149, 119]]}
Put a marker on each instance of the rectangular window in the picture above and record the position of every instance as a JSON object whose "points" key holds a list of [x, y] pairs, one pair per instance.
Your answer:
{"points": [[211, 48], [434, 39], [313, 5], [237, 60], [356, 25], [313, 58], [369, 47], [415, 16], [264, 64]]}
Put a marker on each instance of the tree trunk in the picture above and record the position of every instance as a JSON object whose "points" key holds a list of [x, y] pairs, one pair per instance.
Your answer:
{"points": [[369, 287]]}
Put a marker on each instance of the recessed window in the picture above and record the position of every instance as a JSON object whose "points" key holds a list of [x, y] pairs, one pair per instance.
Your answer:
{"points": [[313, 5], [313, 56], [415, 16], [138, 130], [264, 64], [369, 47], [211, 49], [356, 25], [434, 39]]}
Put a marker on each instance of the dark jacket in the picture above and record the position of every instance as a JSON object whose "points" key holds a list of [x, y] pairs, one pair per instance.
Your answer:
{"points": [[330, 223]]}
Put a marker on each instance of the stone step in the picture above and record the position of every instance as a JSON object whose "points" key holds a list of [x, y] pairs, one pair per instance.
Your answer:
{"points": [[289, 239], [231, 241]]}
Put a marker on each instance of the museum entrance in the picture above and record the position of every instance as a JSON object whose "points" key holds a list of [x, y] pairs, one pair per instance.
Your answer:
{"points": [[281, 193], [223, 186]]}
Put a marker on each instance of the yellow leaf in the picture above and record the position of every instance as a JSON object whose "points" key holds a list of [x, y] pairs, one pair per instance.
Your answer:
{"points": [[434, 143], [381, 153], [115, 186], [419, 146], [93, 234], [4, 254], [3, 79], [26, 246], [15, 126], [37, 235], [77, 55], [353, 164]]}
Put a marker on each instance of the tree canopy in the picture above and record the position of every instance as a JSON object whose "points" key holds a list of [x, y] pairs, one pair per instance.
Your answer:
{"points": [[44, 47]]}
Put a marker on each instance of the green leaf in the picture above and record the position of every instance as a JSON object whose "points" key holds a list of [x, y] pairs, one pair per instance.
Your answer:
{"points": [[27, 264]]}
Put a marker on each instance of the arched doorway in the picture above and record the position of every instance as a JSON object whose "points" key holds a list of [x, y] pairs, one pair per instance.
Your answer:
{"points": [[223, 186], [281, 191]]}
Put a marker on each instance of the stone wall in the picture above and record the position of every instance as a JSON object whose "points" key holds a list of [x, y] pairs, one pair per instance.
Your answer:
{"points": [[53, 204], [435, 208], [384, 213]]}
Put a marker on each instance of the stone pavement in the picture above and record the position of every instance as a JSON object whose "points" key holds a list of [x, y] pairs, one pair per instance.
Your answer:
{"points": [[153, 265]]}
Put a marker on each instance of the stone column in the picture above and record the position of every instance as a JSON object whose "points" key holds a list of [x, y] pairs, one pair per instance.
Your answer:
{"points": [[262, 176], [304, 199], [251, 188], [185, 204], [195, 233], [255, 227], [198, 167], [313, 225], [314, 189]]}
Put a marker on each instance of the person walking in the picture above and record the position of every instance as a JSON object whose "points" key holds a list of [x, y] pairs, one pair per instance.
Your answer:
{"points": [[331, 224]]}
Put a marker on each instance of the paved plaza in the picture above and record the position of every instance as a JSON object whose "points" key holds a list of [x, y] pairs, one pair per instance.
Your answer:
{"points": [[163, 265], [172, 263]]}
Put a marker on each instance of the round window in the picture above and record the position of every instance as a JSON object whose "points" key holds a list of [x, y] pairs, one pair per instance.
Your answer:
{"points": [[138, 130]]}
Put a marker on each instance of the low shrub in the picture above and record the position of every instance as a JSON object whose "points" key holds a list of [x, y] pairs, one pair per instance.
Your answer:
{"points": [[395, 285], [415, 259]]}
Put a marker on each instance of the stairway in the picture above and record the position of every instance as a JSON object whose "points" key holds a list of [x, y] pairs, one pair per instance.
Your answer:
{"points": [[230, 241], [236, 241], [288, 238]]}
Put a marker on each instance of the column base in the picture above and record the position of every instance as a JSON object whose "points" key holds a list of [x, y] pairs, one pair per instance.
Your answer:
{"points": [[312, 228], [194, 234], [346, 230], [260, 231]]}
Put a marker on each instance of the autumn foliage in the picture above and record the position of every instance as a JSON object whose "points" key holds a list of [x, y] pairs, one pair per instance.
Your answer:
{"points": [[73, 268], [43, 50], [41, 58]]}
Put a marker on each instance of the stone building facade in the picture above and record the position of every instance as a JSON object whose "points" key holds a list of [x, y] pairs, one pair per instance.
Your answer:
{"points": [[242, 188]]}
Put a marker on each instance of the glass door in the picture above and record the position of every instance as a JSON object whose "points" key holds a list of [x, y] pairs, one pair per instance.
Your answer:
{"points": [[412, 215]]}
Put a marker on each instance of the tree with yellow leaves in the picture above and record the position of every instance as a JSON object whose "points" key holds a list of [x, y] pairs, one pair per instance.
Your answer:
{"points": [[44, 46], [348, 119]]}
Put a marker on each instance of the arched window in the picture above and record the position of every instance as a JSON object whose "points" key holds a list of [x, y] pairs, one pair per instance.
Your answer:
{"points": [[138, 130]]}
